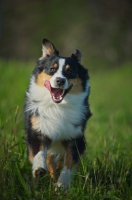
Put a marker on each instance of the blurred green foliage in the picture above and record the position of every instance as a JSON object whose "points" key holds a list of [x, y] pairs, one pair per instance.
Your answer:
{"points": [[100, 29]]}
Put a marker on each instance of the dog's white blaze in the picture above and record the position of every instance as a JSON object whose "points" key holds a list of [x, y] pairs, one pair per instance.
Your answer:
{"points": [[39, 161], [61, 64], [59, 74]]}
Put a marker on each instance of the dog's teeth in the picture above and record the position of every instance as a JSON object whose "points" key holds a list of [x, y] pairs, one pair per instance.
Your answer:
{"points": [[57, 98]]}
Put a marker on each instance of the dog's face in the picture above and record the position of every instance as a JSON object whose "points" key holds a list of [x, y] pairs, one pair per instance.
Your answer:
{"points": [[60, 75]]}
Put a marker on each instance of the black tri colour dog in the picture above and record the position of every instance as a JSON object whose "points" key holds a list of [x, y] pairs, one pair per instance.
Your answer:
{"points": [[56, 111]]}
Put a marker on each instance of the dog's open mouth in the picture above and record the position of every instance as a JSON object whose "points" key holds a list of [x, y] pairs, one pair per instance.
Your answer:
{"points": [[57, 93]]}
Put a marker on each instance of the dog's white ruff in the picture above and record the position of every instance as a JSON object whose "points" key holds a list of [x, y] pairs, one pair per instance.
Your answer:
{"points": [[57, 121]]}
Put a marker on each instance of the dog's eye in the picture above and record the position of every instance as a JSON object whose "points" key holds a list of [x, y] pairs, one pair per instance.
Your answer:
{"points": [[52, 69]]}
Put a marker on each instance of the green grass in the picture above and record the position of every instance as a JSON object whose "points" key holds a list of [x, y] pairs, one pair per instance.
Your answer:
{"points": [[105, 171]]}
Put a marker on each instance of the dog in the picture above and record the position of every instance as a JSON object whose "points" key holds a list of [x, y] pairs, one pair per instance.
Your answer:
{"points": [[56, 111]]}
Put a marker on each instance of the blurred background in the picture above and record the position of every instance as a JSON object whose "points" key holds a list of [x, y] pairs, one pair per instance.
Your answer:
{"points": [[101, 29]]}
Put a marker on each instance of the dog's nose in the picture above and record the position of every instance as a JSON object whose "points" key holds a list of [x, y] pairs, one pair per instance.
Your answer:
{"points": [[60, 81]]}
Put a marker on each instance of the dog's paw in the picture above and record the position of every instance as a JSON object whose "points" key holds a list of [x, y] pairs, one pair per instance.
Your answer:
{"points": [[60, 189], [39, 167], [64, 178], [61, 185], [38, 173]]}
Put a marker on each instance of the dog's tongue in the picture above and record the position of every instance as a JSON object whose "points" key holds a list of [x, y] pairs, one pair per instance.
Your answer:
{"points": [[56, 92], [47, 85]]}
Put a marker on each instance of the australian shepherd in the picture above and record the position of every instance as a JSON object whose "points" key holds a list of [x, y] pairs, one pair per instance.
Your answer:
{"points": [[56, 111]]}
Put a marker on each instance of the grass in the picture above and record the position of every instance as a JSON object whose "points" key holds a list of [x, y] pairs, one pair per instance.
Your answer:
{"points": [[105, 171]]}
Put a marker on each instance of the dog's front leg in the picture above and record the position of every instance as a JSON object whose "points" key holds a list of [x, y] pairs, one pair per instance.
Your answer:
{"points": [[39, 166], [37, 145], [65, 175]]}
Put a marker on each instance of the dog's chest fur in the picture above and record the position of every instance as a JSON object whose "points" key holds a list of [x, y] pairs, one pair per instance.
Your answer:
{"points": [[57, 121]]}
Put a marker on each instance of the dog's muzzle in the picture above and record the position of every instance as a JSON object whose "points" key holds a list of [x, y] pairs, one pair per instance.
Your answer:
{"points": [[57, 93]]}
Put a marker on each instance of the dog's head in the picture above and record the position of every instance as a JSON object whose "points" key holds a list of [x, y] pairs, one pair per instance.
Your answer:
{"points": [[60, 75]]}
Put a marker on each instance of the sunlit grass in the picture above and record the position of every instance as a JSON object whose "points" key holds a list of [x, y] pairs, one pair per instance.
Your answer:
{"points": [[105, 171]]}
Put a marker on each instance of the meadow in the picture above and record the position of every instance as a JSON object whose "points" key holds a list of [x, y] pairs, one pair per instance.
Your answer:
{"points": [[105, 171]]}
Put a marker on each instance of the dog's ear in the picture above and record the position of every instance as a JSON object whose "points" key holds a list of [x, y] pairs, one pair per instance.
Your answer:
{"points": [[77, 55], [48, 48]]}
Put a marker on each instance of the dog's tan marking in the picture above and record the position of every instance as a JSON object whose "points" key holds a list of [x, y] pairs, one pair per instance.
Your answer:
{"points": [[41, 78], [59, 163], [30, 154], [68, 160], [55, 65], [77, 86], [34, 122], [67, 67], [51, 166], [68, 156]]}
